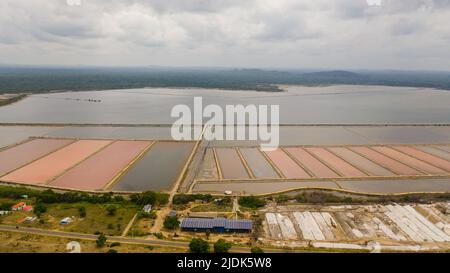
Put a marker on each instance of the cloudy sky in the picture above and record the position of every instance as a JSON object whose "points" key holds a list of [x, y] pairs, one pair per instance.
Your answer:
{"points": [[399, 34]]}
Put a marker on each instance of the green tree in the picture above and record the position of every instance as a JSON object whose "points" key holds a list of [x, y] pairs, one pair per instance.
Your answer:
{"points": [[6, 206], [252, 202], [150, 197], [101, 240], [198, 245], [39, 209], [82, 212], [256, 250], [221, 246], [111, 209], [171, 222]]}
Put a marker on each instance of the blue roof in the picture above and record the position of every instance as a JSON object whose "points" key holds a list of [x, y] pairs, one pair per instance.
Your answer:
{"points": [[203, 223]]}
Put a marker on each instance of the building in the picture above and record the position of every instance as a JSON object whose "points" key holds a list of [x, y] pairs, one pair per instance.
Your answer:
{"points": [[147, 208], [18, 206], [28, 208], [216, 225]]}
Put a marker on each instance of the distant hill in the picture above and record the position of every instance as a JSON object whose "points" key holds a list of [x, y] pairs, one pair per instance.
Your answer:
{"points": [[333, 74], [23, 79]]}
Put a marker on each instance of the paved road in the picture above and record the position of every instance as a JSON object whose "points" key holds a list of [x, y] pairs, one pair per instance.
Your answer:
{"points": [[153, 242]]}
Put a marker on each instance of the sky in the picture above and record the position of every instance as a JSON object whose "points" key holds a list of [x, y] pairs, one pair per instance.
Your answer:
{"points": [[330, 34]]}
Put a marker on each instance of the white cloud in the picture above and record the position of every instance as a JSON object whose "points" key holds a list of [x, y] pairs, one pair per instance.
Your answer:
{"points": [[269, 33]]}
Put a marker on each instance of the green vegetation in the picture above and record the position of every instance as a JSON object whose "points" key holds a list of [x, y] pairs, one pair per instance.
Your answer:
{"points": [[171, 222], [256, 250], [44, 79], [252, 202], [325, 197], [221, 246], [158, 235], [183, 199], [101, 241], [82, 212], [150, 197], [4, 102], [198, 245], [111, 210], [282, 198], [112, 251], [322, 198], [149, 215], [224, 204], [96, 219], [39, 209], [6, 206], [52, 197]]}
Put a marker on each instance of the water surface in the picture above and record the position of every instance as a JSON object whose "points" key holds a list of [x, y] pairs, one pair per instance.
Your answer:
{"points": [[304, 105]]}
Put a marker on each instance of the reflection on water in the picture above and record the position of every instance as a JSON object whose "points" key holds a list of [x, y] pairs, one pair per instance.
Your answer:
{"points": [[304, 105], [158, 168]]}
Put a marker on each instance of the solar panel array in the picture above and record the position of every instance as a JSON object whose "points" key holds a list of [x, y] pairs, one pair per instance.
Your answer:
{"points": [[202, 223]]}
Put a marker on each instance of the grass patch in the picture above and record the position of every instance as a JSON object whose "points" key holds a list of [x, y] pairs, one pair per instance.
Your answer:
{"points": [[97, 218], [12, 242], [141, 227], [212, 207]]}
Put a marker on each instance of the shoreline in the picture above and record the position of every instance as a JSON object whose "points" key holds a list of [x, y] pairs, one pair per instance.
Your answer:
{"points": [[14, 99], [278, 88]]}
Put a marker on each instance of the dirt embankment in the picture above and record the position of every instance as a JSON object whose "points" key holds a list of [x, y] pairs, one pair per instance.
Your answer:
{"points": [[11, 98]]}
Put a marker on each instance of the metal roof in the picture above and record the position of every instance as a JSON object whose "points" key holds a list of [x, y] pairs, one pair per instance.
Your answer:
{"points": [[203, 223]]}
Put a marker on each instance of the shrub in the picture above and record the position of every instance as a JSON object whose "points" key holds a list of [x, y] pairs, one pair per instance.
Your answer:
{"points": [[222, 246], [183, 199], [198, 245], [82, 212], [252, 202], [101, 241], [158, 235], [39, 209], [171, 222], [282, 198], [150, 197], [6, 206], [118, 198], [150, 215], [111, 210], [256, 250], [322, 197]]}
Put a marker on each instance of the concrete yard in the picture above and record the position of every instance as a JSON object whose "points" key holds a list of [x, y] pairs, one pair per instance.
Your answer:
{"points": [[393, 227]]}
